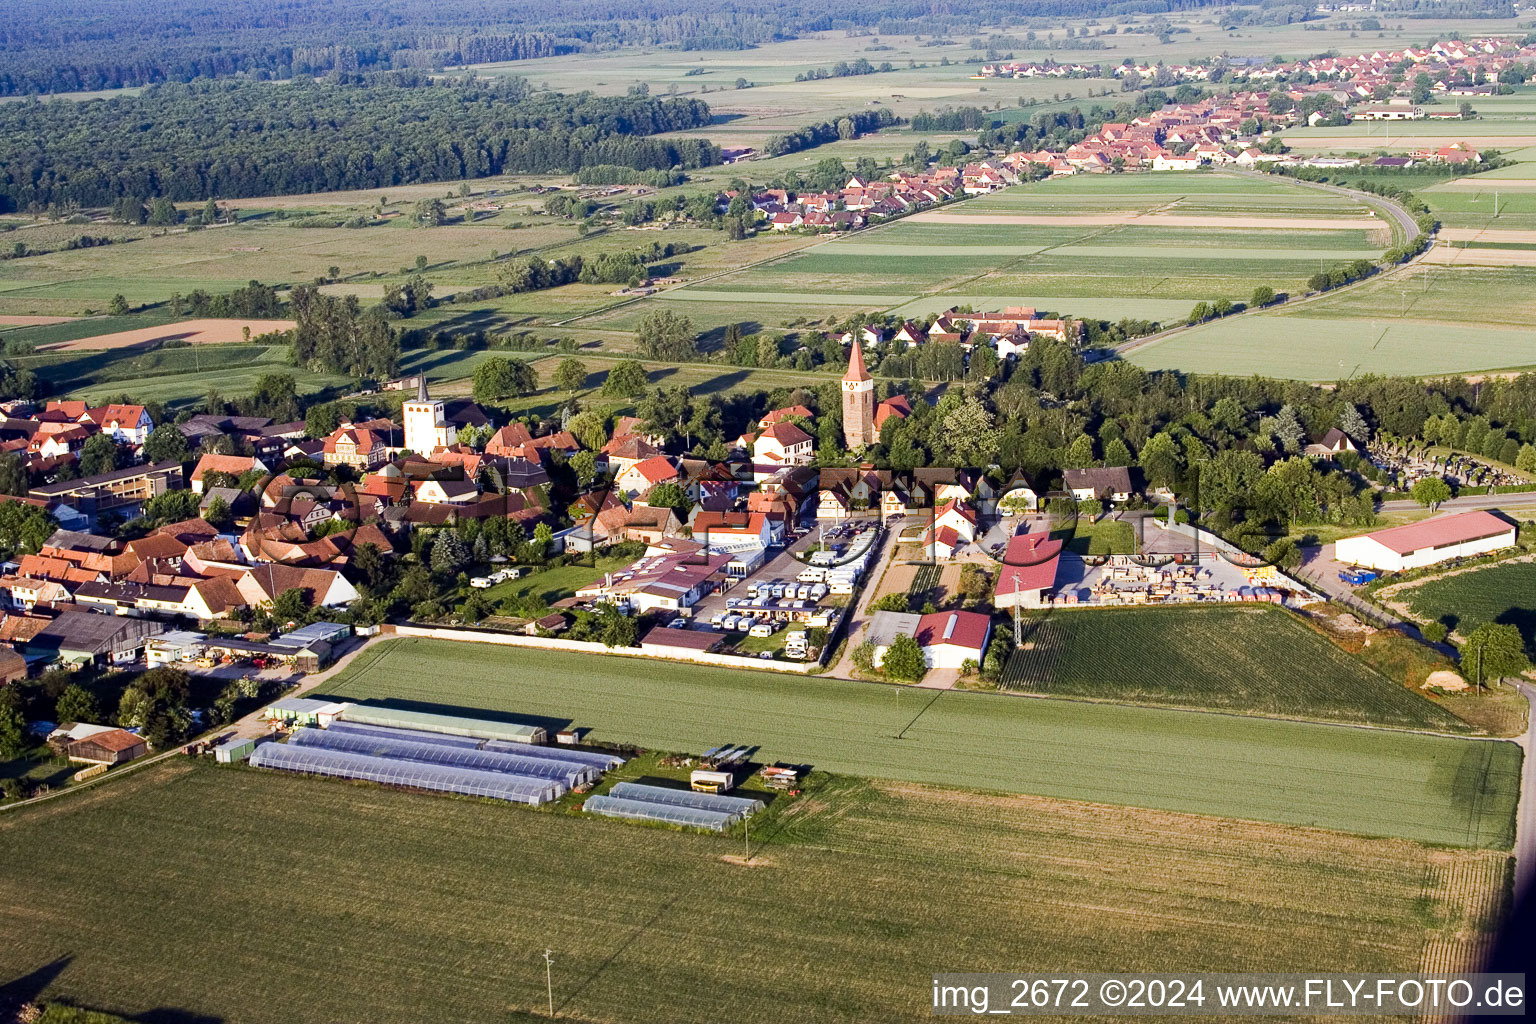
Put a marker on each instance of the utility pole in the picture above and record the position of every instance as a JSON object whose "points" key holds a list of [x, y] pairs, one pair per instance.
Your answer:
{"points": [[1018, 637], [746, 826], [549, 980]]}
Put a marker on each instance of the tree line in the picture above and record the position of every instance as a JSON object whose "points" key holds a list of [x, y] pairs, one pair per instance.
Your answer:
{"points": [[63, 47], [238, 139]]}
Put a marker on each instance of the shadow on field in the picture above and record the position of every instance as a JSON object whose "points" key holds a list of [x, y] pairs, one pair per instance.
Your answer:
{"points": [[29, 987]]}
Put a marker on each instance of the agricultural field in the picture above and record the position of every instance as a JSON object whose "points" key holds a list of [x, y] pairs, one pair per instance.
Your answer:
{"points": [[1252, 660], [1424, 320], [441, 908], [1427, 788], [1095, 245], [1503, 593]]}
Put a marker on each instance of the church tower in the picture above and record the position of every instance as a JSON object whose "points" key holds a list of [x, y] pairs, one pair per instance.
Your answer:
{"points": [[858, 402], [426, 429]]}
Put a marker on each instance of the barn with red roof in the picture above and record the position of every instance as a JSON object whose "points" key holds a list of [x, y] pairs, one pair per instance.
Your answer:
{"points": [[1430, 542]]}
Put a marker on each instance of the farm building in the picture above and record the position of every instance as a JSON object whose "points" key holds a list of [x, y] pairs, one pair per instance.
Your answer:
{"points": [[887, 626], [1027, 575], [949, 639], [237, 749], [303, 711], [100, 639], [1430, 542], [449, 725], [664, 640], [12, 666], [115, 746]]}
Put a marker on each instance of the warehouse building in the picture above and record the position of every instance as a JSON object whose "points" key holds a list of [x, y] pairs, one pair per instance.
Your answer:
{"points": [[1428, 543]]}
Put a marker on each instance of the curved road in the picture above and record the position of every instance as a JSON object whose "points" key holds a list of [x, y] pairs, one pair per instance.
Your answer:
{"points": [[1401, 218]]}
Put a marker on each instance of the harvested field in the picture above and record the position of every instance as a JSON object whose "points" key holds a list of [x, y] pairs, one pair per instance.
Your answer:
{"points": [[1447, 256], [33, 321], [1150, 219], [1508, 235], [1437, 789], [636, 916], [193, 332]]}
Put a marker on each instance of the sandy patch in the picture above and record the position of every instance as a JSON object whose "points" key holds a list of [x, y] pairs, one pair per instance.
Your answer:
{"points": [[1445, 256], [34, 321], [755, 862], [196, 332], [1488, 235], [1157, 220], [1446, 680]]}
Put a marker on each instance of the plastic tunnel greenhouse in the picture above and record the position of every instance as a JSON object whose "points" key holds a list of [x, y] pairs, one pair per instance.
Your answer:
{"points": [[619, 807], [413, 774], [740, 805], [568, 772]]}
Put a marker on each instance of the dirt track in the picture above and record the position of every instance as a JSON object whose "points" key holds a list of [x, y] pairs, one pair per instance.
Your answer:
{"points": [[1155, 220], [196, 332]]}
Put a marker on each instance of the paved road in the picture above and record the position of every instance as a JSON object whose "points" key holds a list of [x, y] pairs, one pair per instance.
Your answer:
{"points": [[860, 615], [1400, 216], [1523, 501]]}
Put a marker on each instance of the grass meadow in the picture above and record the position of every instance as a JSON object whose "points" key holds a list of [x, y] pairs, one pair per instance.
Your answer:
{"points": [[1414, 786], [1229, 659], [371, 905]]}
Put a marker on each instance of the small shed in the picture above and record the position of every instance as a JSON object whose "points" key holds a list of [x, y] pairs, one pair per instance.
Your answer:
{"points": [[115, 746], [237, 749]]}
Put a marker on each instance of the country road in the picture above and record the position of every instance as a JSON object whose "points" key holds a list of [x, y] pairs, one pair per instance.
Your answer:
{"points": [[1525, 814], [1401, 218]]}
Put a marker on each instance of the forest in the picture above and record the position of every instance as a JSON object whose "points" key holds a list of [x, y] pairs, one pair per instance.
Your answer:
{"points": [[65, 47], [237, 139]]}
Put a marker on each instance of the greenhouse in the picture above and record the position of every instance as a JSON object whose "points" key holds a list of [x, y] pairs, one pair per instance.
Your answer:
{"points": [[671, 814], [451, 725], [606, 762], [412, 774], [740, 805], [571, 773], [414, 735]]}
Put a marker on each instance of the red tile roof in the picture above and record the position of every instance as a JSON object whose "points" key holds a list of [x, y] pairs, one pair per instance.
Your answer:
{"points": [[1029, 563], [1441, 531], [958, 629]]}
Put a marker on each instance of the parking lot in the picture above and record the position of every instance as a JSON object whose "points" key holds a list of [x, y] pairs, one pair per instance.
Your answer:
{"points": [[813, 602]]}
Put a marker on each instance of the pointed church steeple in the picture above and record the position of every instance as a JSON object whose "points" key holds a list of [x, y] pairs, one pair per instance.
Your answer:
{"points": [[856, 370], [858, 402], [421, 387]]}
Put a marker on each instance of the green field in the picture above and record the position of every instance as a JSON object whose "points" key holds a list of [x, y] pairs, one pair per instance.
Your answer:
{"points": [[1076, 257], [1251, 660], [1504, 593], [268, 899], [1420, 787]]}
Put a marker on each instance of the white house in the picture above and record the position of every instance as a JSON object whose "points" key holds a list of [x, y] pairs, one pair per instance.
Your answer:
{"points": [[1432, 541], [125, 424], [949, 639], [639, 478], [781, 445]]}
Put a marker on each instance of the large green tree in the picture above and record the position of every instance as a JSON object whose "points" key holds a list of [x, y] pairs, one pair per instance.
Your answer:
{"points": [[666, 336]]}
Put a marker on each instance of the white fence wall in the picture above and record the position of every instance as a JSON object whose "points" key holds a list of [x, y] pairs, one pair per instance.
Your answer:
{"points": [[552, 643]]}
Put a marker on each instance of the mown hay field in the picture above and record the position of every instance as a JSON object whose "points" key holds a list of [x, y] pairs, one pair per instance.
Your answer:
{"points": [[1503, 593], [1308, 347], [1253, 660], [1415, 786], [270, 899]]}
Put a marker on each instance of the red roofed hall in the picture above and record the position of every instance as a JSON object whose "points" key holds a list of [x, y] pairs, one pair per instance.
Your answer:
{"points": [[1430, 542], [1027, 574], [949, 639]]}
